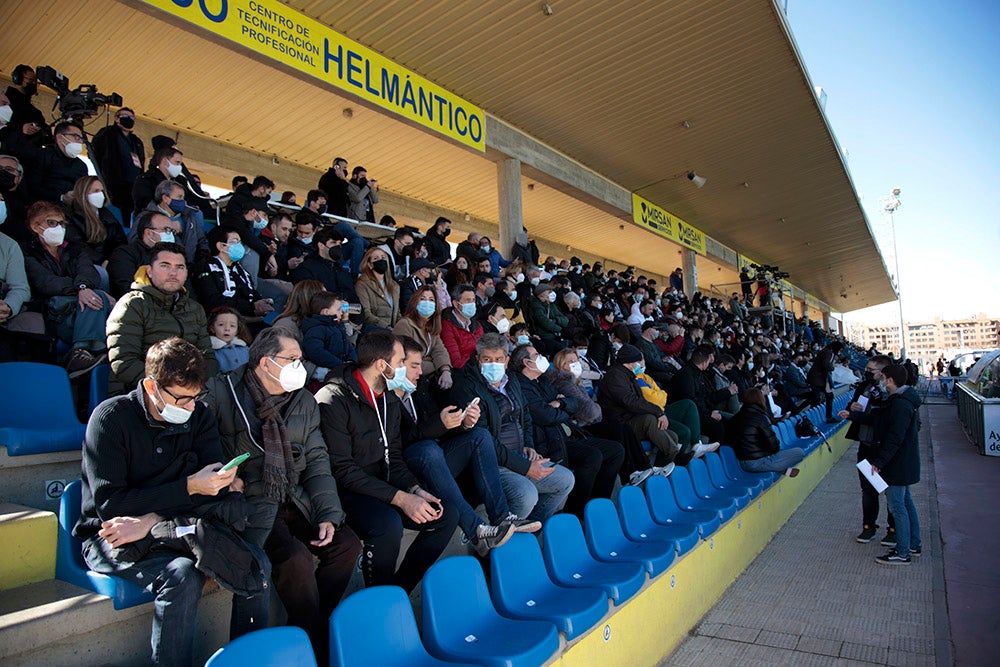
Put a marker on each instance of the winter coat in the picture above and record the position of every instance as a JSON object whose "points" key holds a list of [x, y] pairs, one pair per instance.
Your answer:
{"points": [[459, 341], [750, 434], [231, 355], [587, 410], [545, 319], [98, 253], [333, 276], [378, 311], [325, 341], [124, 262], [435, 356], [48, 277], [109, 155], [819, 372], [438, 250], [52, 174], [214, 290], [620, 396], [897, 454]]}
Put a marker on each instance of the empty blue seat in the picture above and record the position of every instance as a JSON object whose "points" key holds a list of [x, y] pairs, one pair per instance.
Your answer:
{"points": [[647, 446], [664, 509], [687, 499], [70, 566], [98, 386], [361, 627], [607, 541], [569, 563], [40, 416], [460, 623], [704, 488], [521, 588], [731, 465], [639, 526], [720, 481], [270, 647]]}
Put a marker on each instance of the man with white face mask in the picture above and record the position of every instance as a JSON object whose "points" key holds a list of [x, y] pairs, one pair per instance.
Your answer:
{"points": [[264, 410], [166, 164], [152, 466], [546, 320], [57, 168]]}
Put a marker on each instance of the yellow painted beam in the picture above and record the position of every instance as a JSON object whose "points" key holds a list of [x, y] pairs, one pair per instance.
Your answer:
{"points": [[29, 539]]}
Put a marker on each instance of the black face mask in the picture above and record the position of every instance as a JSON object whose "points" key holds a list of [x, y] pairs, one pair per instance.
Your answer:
{"points": [[31, 89], [336, 252], [6, 181], [127, 122], [380, 266], [445, 233], [322, 209], [407, 251], [869, 376]]}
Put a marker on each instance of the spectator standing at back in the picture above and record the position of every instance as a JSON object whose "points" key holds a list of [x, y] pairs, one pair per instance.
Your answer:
{"points": [[57, 168], [334, 185], [26, 119], [119, 154], [257, 192], [363, 194], [677, 279], [166, 164], [469, 249], [435, 240], [819, 377]]}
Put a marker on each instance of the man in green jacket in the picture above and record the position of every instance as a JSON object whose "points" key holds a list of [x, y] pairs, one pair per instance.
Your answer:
{"points": [[264, 411], [156, 308], [546, 321]]}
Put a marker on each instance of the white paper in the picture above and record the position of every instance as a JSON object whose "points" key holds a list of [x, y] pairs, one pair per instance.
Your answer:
{"points": [[863, 401], [874, 479], [185, 530]]}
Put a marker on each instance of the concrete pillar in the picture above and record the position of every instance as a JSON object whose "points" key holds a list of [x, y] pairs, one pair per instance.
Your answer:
{"points": [[689, 265], [509, 196]]}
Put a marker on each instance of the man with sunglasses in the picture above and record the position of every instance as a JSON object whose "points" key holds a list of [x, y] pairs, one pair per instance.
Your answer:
{"points": [[153, 488], [56, 169]]}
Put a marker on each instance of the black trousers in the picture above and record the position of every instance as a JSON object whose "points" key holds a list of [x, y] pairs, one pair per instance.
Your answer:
{"points": [[595, 463], [869, 497]]}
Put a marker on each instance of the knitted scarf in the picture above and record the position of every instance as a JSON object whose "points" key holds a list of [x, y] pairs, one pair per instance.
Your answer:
{"points": [[279, 470]]}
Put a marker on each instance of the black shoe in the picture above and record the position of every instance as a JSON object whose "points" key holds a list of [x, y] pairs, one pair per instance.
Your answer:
{"points": [[915, 552], [79, 361], [867, 535], [490, 537], [832, 420], [889, 540], [892, 558]]}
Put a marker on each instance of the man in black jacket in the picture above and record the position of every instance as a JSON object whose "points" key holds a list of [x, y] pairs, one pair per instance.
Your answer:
{"points": [[692, 383], [536, 487], [324, 265], [166, 163], [360, 419], [334, 185], [56, 169], [119, 154], [595, 462], [819, 377], [149, 458], [438, 250], [151, 228]]}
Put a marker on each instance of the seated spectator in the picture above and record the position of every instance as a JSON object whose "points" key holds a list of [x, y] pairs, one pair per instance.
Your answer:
{"points": [[378, 491], [422, 272], [323, 263], [545, 320], [482, 266], [363, 195], [400, 251], [157, 307], [90, 223], [750, 435], [151, 465], [594, 461], [295, 510], [377, 292], [300, 244], [150, 228], [564, 375], [604, 345], [169, 200], [494, 319], [165, 165], [276, 236], [469, 249], [14, 289], [325, 341], [229, 335], [483, 286], [60, 273], [224, 282], [534, 490], [315, 203], [249, 217], [15, 198], [794, 379], [656, 367], [716, 375], [57, 168], [421, 322], [435, 240], [287, 198], [491, 253], [119, 154], [691, 382], [298, 307], [440, 446], [459, 327], [505, 296], [458, 273]]}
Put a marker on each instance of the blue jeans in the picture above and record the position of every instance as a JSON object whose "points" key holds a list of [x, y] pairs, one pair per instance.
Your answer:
{"points": [[354, 247], [779, 462], [537, 499], [86, 328], [437, 465], [907, 523]]}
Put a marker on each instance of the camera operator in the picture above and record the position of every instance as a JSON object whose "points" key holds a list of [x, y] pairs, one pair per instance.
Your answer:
{"points": [[119, 155], [26, 118], [56, 169]]}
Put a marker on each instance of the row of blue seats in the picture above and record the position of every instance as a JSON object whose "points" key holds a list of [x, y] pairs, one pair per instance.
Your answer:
{"points": [[534, 593]]}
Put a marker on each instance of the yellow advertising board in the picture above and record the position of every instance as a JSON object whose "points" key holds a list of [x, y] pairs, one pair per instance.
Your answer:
{"points": [[648, 215], [285, 35]]}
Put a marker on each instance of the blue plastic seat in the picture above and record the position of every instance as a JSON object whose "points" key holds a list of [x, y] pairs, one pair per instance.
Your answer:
{"points": [[647, 446], [98, 386], [461, 624], [40, 416], [362, 623], [607, 541], [704, 488], [731, 465], [687, 499], [664, 509], [569, 563], [639, 526], [720, 481], [521, 589], [270, 647], [70, 566]]}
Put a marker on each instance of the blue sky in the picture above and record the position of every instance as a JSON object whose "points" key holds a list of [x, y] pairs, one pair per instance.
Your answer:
{"points": [[914, 100]]}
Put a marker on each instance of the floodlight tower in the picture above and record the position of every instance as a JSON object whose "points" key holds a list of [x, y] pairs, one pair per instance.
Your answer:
{"points": [[889, 205]]}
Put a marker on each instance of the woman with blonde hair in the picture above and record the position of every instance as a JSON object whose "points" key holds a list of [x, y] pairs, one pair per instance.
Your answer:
{"points": [[297, 306], [377, 291], [90, 223], [421, 321]]}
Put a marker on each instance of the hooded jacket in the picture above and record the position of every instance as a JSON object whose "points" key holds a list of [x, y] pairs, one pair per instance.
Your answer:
{"points": [[144, 317], [897, 454]]}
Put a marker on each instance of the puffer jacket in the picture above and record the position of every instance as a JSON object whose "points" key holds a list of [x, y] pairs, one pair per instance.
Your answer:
{"points": [[587, 410], [240, 431], [750, 434], [144, 317]]}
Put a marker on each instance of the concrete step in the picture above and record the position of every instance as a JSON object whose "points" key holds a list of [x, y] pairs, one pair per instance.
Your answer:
{"points": [[37, 480], [28, 537]]}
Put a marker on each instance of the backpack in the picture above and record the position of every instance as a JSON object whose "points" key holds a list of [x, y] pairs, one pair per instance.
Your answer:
{"points": [[804, 428]]}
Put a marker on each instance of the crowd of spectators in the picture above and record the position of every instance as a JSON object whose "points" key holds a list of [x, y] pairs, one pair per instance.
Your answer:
{"points": [[373, 386]]}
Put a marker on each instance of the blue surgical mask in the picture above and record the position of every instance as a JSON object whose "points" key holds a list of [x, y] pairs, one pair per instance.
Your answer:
{"points": [[177, 205], [493, 372], [166, 237], [523, 339], [236, 252], [306, 240], [639, 370], [486, 249], [469, 310], [398, 380], [426, 308], [260, 224], [3, 211]]}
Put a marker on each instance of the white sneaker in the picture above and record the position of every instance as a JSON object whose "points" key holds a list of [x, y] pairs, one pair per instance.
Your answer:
{"points": [[702, 449], [664, 470], [640, 476]]}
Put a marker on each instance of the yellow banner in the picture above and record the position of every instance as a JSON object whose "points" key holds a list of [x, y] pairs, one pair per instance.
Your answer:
{"points": [[290, 37], [650, 216]]}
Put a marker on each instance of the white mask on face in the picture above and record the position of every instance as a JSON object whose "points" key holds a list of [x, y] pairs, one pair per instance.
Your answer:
{"points": [[74, 149], [552, 297], [96, 199], [576, 368], [541, 364], [292, 376], [173, 170], [503, 326], [172, 414], [54, 235]]}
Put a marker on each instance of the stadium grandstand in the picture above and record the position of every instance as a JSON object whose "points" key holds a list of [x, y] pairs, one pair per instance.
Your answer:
{"points": [[492, 333]]}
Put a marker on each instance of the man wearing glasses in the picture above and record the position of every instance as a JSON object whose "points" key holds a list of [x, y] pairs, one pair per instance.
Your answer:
{"points": [[153, 488], [56, 169], [151, 227], [120, 155]]}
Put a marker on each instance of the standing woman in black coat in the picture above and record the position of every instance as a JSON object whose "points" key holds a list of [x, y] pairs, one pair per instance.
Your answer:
{"points": [[750, 434]]}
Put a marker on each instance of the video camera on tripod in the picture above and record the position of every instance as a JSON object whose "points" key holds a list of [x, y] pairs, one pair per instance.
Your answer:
{"points": [[770, 271], [78, 103]]}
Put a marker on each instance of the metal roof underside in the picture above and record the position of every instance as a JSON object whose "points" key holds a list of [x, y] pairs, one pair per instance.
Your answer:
{"points": [[606, 84]]}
